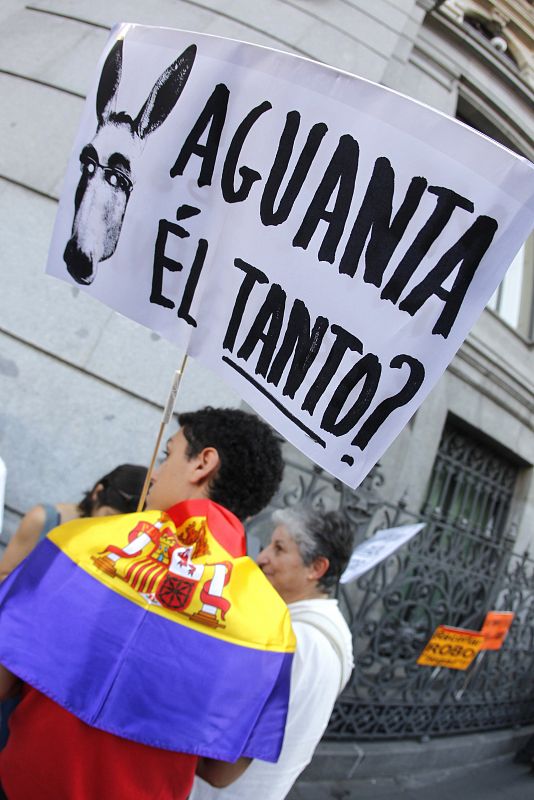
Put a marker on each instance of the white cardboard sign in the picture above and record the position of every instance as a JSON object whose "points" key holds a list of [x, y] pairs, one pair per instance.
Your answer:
{"points": [[378, 547], [324, 244]]}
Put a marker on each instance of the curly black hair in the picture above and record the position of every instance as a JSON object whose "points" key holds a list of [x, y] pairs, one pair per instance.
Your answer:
{"points": [[251, 464]]}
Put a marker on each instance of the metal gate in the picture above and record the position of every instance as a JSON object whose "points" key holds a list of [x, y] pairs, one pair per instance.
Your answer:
{"points": [[451, 573]]}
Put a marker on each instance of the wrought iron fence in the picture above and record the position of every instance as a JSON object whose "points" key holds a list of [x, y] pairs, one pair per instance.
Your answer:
{"points": [[451, 573]]}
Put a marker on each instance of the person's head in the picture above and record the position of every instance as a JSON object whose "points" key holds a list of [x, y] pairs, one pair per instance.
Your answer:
{"points": [[118, 492], [307, 553], [227, 455]]}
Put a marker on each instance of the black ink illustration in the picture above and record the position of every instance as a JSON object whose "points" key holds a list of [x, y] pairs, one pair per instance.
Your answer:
{"points": [[108, 162]]}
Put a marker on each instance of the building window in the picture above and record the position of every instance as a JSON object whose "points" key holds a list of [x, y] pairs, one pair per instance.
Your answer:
{"points": [[514, 299], [491, 33], [471, 485]]}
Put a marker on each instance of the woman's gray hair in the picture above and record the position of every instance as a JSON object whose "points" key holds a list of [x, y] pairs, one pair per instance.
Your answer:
{"points": [[297, 523], [319, 534]]}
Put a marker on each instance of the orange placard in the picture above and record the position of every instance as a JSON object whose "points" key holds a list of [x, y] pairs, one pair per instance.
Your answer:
{"points": [[495, 627], [454, 648]]}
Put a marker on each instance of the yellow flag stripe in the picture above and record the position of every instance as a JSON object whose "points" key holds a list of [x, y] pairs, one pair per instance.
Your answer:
{"points": [[257, 617]]}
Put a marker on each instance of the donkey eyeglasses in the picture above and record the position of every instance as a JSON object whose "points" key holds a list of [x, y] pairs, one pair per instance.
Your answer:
{"points": [[112, 175]]}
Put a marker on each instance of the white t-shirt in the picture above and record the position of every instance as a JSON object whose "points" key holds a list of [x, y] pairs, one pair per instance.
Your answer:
{"points": [[321, 667]]}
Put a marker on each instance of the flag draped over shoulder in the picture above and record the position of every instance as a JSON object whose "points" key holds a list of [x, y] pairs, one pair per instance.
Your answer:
{"points": [[155, 627]]}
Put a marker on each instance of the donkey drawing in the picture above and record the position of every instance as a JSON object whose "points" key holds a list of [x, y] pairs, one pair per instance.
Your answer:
{"points": [[108, 162]]}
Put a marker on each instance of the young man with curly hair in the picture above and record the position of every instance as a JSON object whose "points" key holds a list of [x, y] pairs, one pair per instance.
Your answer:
{"points": [[223, 455], [227, 454]]}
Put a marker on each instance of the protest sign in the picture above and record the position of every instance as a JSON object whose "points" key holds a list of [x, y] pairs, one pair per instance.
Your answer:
{"points": [[323, 243], [454, 648], [377, 548], [495, 628]]}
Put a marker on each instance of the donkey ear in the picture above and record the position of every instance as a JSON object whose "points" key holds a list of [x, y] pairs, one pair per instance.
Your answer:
{"points": [[165, 92], [109, 82]]}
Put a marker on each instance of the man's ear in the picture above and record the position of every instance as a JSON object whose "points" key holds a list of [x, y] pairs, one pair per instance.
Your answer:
{"points": [[319, 567], [96, 491], [205, 465]]}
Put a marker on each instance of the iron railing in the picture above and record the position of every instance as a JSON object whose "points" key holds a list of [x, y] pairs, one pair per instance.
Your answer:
{"points": [[451, 573]]}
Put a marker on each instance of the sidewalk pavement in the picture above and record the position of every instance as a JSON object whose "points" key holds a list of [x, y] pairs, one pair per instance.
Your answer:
{"points": [[499, 779]]}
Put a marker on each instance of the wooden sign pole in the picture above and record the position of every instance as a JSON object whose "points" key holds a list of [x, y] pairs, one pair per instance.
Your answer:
{"points": [[167, 414]]}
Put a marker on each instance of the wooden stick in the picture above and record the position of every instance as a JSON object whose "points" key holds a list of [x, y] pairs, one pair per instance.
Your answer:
{"points": [[167, 414]]}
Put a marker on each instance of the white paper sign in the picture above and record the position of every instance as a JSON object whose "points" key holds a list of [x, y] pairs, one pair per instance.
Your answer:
{"points": [[323, 243], [377, 548]]}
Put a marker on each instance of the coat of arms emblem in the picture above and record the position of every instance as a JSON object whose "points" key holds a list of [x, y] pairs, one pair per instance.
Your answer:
{"points": [[158, 563]]}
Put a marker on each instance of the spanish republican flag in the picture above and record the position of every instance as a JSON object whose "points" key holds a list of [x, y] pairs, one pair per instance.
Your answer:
{"points": [[155, 627]]}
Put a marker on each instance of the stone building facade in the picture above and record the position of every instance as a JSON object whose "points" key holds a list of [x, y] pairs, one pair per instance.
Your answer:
{"points": [[81, 387]]}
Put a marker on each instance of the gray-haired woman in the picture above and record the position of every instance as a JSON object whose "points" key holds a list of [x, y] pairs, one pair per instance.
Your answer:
{"points": [[304, 560]]}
